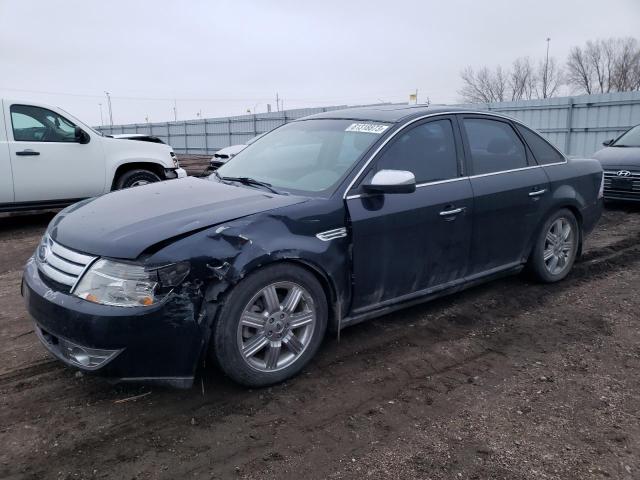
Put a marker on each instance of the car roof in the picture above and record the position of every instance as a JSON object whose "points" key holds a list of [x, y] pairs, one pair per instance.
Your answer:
{"points": [[387, 113]]}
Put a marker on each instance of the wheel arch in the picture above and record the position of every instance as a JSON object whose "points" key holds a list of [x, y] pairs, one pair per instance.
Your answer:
{"points": [[574, 209], [217, 290], [328, 285], [125, 167]]}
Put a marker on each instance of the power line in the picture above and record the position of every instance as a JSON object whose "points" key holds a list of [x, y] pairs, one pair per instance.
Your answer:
{"points": [[208, 99]]}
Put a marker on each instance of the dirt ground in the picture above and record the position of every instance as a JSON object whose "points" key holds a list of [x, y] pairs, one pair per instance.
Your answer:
{"points": [[510, 380]]}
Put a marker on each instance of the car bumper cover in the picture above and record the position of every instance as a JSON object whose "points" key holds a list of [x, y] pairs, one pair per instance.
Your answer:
{"points": [[159, 344]]}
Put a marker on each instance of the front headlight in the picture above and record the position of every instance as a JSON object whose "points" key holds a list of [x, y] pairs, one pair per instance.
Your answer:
{"points": [[174, 158], [129, 284]]}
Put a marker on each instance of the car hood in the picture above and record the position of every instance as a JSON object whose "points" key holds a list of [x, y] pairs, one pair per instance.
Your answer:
{"points": [[623, 157], [124, 224]]}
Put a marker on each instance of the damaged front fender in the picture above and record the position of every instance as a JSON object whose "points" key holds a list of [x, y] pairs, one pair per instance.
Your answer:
{"points": [[221, 256]]}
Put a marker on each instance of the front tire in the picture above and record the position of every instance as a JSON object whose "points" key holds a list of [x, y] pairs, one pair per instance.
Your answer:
{"points": [[270, 325], [136, 178], [556, 248]]}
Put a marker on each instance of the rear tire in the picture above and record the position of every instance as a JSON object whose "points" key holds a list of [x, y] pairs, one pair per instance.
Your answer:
{"points": [[270, 325], [135, 178], [556, 247]]}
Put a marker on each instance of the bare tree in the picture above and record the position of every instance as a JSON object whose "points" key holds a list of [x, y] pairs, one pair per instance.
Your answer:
{"points": [[549, 78], [626, 65], [602, 66], [483, 86], [521, 82], [580, 71], [601, 55], [522, 79]]}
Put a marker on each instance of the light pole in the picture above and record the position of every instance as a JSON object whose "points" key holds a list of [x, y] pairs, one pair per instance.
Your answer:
{"points": [[545, 77], [110, 111], [548, 41], [101, 117]]}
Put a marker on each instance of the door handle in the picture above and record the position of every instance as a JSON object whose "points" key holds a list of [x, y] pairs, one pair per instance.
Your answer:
{"points": [[26, 153], [537, 193], [455, 211]]}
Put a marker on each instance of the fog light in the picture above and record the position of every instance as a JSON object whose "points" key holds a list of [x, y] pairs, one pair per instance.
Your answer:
{"points": [[80, 356], [84, 357]]}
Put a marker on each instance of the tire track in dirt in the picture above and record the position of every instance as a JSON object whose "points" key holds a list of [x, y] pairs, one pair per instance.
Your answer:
{"points": [[413, 358], [428, 351]]}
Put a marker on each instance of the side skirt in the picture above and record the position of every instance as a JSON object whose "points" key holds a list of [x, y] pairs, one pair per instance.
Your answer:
{"points": [[389, 306]]}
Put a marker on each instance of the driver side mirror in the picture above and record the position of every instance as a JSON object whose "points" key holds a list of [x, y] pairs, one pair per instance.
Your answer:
{"points": [[606, 143], [81, 136], [391, 181]]}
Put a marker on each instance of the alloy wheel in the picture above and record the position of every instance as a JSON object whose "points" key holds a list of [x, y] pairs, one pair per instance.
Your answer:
{"points": [[559, 246], [276, 326]]}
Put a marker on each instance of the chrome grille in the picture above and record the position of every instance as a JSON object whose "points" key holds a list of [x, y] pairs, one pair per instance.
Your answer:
{"points": [[61, 264], [611, 192]]}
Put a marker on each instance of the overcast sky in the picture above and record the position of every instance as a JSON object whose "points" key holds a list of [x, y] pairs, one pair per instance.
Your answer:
{"points": [[224, 57]]}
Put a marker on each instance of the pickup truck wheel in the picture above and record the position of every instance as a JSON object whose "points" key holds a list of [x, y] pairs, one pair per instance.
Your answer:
{"points": [[135, 178], [270, 325], [556, 247]]}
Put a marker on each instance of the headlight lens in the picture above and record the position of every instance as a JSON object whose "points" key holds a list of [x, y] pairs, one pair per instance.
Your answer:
{"points": [[175, 160], [128, 284]]}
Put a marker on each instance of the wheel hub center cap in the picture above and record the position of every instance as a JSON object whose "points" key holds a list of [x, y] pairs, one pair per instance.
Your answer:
{"points": [[277, 324]]}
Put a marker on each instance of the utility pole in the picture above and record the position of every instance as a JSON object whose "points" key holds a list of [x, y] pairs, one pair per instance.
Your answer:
{"points": [[416, 96], [277, 102], [545, 79], [175, 110], [101, 117], [110, 110]]}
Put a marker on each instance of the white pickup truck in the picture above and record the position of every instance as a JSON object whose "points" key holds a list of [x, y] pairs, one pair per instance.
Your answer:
{"points": [[50, 159]]}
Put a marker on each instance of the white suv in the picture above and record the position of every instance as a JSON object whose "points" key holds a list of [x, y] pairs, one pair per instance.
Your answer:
{"points": [[50, 159]]}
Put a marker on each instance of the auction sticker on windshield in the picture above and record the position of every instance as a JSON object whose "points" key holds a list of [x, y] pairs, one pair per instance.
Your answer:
{"points": [[366, 128]]}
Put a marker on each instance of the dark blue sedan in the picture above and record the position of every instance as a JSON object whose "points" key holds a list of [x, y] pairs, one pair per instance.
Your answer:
{"points": [[320, 224]]}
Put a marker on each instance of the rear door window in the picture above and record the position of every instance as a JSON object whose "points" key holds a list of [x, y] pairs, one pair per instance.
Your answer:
{"points": [[494, 146]]}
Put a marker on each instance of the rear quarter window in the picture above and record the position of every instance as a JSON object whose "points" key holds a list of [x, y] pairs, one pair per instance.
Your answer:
{"points": [[542, 150]]}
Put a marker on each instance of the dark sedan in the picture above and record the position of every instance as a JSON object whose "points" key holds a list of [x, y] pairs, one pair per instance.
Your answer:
{"points": [[322, 223], [620, 160]]}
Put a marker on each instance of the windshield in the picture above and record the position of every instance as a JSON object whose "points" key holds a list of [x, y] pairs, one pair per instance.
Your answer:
{"points": [[629, 139], [309, 156]]}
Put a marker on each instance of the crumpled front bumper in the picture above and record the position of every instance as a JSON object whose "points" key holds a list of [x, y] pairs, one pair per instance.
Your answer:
{"points": [[158, 344]]}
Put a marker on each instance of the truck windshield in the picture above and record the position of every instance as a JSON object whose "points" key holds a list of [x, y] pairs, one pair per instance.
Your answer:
{"points": [[308, 156]]}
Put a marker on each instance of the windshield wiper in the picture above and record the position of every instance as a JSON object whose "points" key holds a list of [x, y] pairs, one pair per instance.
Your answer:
{"points": [[250, 181]]}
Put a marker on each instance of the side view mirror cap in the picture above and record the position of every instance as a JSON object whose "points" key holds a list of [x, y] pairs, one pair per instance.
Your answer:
{"points": [[391, 181], [81, 136]]}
